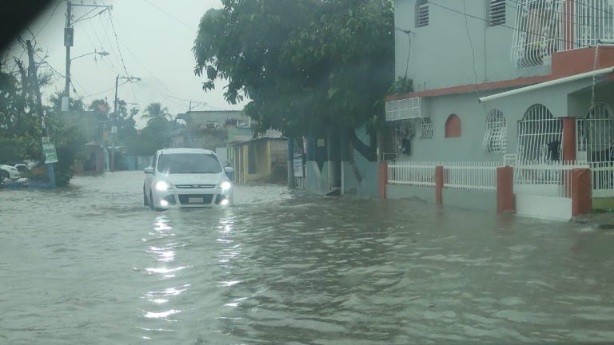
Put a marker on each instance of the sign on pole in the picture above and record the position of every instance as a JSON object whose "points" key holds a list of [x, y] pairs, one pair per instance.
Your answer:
{"points": [[51, 156]]}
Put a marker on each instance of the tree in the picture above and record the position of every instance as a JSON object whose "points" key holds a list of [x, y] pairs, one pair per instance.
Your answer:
{"points": [[156, 135], [24, 120], [305, 65], [156, 111]]}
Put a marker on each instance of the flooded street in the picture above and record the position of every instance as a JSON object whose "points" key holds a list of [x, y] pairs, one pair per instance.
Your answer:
{"points": [[91, 265]]}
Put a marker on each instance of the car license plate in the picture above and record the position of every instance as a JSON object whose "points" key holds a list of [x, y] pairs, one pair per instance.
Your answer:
{"points": [[196, 200]]}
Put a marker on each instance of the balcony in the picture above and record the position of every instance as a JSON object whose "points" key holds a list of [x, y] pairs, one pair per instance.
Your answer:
{"points": [[549, 26]]}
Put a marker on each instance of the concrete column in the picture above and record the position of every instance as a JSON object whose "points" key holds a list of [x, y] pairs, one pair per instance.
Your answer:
{"points": [[382, 179], [439, 185], [569, 139], [505, 189], [310, 148], [581, 192]]}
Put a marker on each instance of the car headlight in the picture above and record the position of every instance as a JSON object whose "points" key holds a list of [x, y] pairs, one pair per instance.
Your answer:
{"points": [[225, 185], [162, 185]]}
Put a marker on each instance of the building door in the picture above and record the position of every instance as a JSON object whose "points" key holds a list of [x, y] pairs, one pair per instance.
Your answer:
{"points": [[539, 137]]}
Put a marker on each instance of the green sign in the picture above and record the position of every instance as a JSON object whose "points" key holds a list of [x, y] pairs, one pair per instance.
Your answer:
{"points": [[51, 156]]}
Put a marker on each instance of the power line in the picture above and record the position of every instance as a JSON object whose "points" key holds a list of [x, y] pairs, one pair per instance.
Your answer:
{"points": [[148, 71], [48, 19], [105, 91], [171, 16], [117, 41]]}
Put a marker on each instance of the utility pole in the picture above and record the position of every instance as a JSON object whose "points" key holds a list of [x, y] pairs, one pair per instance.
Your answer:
{"points": [[68, 42], [114, 120], [69, 35]]}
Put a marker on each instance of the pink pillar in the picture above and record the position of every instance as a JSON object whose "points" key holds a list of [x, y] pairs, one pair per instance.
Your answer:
{"points": [[382, 179], [581, 192], [439, 185], [505, 189]]}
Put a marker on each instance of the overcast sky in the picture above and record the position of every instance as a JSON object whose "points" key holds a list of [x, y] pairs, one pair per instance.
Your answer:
{"points": [[148, 39]]}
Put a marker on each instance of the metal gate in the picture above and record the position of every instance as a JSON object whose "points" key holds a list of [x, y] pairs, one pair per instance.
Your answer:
{"points": [[539, 137], [594, 144], [595, 134]]}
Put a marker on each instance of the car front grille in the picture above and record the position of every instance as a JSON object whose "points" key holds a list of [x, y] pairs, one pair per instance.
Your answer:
{"points": [[194, 186], [195, 199]]}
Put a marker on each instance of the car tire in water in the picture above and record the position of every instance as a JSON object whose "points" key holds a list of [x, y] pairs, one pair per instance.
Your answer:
{"points": [[151, 204], [145, 201]]}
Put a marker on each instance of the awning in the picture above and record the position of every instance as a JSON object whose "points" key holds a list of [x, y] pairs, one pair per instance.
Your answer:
{"points": [[547, 84]]}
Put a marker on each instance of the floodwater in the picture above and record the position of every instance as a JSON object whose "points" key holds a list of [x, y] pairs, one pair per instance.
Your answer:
{"points": [[90, 265]]}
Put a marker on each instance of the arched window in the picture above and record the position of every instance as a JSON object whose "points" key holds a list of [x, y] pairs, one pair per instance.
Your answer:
{"points": [[453, 126], [539, 136], [495, 137], [422, 13]]}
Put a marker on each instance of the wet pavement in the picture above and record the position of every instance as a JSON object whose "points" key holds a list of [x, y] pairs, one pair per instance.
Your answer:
{"points": [[90, 265]]}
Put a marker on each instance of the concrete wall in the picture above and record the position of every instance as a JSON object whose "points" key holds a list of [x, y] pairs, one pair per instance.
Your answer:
{"points": [[404, 192], [454, 49], [470, 199], [472, 113], [316, 181], [359, 178]]}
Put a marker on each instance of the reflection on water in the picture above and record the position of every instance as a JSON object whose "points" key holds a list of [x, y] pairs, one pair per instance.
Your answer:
{"points": [[91, 265]]}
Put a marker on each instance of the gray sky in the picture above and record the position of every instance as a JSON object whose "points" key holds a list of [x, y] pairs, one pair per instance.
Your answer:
{"points": [[154, 42]]}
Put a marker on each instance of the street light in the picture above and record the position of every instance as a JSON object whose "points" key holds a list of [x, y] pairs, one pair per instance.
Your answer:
{"points": [[103, 53], [65, 99]]}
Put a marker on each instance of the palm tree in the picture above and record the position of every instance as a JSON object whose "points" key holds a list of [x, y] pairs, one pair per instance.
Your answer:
{"points": [[156, 111]]}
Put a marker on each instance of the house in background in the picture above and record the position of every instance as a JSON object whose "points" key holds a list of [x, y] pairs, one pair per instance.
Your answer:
{"points": [[208, 129], [493, 79], [91, 124], [528, 81], [260, 159]]}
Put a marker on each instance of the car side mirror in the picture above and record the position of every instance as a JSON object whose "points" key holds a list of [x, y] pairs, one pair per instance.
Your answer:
{"points": [[149, 170], [229, 170]]}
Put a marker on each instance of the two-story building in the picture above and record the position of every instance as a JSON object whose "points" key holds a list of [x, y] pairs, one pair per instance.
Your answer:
{"points": [[495, 77], [528, 80]]}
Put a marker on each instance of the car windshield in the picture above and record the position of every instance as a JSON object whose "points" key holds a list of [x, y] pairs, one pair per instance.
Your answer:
{"points": [[189, 163]]}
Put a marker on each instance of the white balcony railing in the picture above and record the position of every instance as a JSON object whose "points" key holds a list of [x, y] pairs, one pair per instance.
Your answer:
{"points": [[547, 26]]}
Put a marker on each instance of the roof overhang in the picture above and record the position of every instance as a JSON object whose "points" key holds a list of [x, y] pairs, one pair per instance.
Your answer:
{"points": [[549, 83]]}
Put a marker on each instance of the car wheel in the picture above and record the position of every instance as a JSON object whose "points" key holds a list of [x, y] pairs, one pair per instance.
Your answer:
{"points": [[145, 201], [151, 203]]}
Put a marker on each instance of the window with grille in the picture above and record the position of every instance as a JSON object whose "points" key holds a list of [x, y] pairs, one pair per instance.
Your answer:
{"points": [[425, 129], [422, 13], [496, 12], [495, 137]]}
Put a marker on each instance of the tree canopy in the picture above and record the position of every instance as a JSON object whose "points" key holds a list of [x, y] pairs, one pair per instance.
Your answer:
{"points": [[304, 65]]}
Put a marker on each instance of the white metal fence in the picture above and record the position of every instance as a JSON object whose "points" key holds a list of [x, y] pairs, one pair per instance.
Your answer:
{"points": [[471, 175], [553, 179], [602, 179], [457, 175], [412, 173]]}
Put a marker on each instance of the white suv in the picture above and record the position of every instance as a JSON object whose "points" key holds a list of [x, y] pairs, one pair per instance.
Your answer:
{"points": [[184, 177]]}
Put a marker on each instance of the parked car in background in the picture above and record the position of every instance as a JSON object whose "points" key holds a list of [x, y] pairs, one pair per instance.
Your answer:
{"points": [[8, 171], [186, 177]]}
